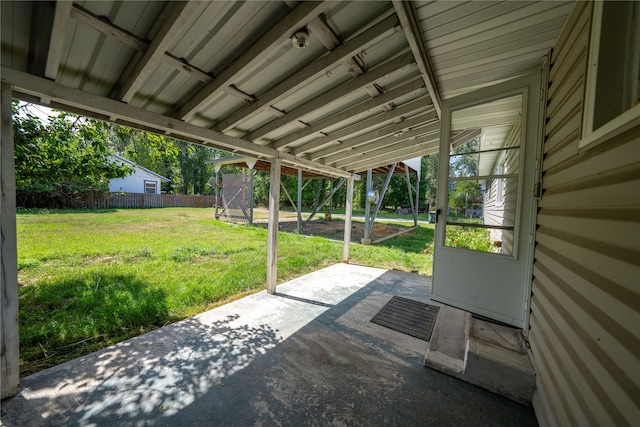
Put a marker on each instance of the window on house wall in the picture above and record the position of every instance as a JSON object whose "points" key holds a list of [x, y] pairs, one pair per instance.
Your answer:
{"points": [[613, 87], [150, 187]]}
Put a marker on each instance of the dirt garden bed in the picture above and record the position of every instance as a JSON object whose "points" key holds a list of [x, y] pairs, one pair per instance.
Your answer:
{"points": [[334, 229]]}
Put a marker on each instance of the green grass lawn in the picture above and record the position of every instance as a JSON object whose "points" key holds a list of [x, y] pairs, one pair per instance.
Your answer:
{"points": [[89, 279]]}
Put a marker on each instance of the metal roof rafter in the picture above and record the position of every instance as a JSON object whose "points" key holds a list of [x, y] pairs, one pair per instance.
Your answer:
{"points": [[403, 153], [317, 67], [376, 134], [265, 46], [174, 21], [415, 86], [414, 135], [410, 24], [408, 108], [56, 41], [105, 27], [346, 88]]}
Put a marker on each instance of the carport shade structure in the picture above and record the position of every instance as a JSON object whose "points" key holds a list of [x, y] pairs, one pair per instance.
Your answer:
{"points": [[400, 168], [365, 92]]}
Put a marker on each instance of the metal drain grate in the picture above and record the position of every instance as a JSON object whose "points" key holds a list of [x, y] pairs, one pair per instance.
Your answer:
{"points": [[410, 317]]}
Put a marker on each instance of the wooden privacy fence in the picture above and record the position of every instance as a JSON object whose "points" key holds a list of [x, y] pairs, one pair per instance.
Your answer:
{"points": [[139, 200]]}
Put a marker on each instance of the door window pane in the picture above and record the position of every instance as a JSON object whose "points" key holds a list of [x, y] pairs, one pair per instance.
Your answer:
{"points": [[483, 177]]}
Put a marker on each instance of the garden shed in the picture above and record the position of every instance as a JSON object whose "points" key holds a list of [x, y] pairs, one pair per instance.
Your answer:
{"points": [[339, 88]]}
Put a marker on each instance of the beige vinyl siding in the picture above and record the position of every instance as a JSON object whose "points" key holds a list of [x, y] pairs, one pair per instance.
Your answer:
{"points": [[504, 213], [585, 305]]}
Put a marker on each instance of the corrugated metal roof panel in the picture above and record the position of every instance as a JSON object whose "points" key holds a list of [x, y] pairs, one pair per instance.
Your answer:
{"points": [[137, 17], [86, 47], [226, 29], [16, 19]]}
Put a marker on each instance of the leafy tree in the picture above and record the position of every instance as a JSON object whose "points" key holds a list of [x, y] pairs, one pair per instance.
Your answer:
{"points": [[429, 184], [63, 161], [182, 162], [463, 163], [464, 159], [463, 190]]}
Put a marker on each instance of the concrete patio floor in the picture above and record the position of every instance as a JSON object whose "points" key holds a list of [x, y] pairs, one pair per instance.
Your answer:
{"points": [[306, 356]]}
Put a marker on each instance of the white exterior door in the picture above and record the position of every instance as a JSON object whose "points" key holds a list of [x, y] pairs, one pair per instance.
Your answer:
{"points": [[489, 145]]}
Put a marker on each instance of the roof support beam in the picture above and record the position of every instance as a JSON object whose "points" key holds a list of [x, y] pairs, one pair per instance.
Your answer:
{"points": [[380, 133], [337, 92], [409, 20], [56, 41], [103, 26], [390, 149], [321, 30], [415, 86], [174, 21], [403, 151], [344, 157], [367, 38], [464, 136], [101, 107], [397, 113], [265, 46]]}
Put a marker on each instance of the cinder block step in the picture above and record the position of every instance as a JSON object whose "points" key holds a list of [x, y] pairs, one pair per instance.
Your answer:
{"points": [[483, 353]]}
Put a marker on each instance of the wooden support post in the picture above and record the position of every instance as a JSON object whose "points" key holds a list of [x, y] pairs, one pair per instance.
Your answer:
{"points": [[9, 344], [217, 192], [347, 220], [331, 202], [417, 210], [414, 209], [252, 174], [274, 211], [367, 208], [382, 194], [299, 207]]}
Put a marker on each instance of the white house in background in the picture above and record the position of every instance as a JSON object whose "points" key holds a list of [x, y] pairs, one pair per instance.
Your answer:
{"points": [[142, 180]]}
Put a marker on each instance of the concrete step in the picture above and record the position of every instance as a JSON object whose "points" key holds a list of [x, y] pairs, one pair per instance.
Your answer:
{"points": [[449, 343], [483, 353]]}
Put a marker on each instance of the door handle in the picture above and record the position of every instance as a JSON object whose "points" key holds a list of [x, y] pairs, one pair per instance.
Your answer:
{"points": [[437, 215]]}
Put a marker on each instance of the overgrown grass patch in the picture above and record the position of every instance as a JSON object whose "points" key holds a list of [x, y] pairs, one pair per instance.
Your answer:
{"points": [[89, 279]]}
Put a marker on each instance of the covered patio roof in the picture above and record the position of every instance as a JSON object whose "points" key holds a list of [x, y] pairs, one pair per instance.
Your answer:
{"points": [[333, 87]]}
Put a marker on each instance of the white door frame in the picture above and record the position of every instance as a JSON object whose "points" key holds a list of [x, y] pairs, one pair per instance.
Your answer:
{"points": [[449, 285]]}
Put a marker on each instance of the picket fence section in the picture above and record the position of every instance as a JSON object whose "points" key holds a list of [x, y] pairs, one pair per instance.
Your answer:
{"points": [[139, 200]]}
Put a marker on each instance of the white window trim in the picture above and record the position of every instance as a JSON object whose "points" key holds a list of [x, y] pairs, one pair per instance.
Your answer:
{"points": [[620, 124], [155, 186]]}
